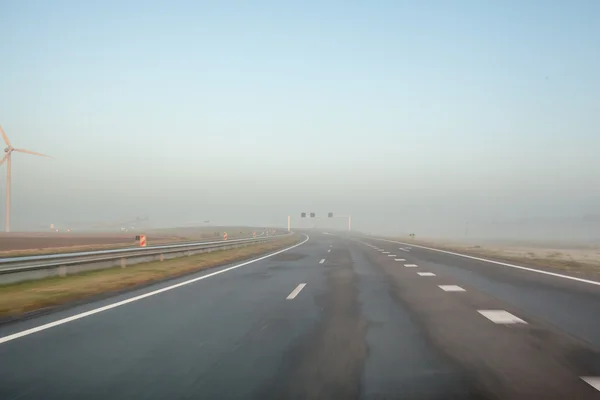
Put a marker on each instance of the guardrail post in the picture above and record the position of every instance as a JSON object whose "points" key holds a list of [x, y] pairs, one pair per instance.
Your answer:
{"points": [[123, 262], [162, 257], [62, 271]]}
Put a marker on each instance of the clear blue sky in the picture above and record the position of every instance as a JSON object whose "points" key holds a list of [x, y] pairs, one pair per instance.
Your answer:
{"points": [[248, 111]]}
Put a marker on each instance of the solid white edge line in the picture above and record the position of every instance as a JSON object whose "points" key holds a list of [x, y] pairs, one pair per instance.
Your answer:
{"points": [[593, 381], [539, 271], [295, 292], [322, 261], [140, 297]]}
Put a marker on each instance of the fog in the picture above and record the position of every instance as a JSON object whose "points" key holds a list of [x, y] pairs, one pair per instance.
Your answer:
{"points": [[410, 120]]}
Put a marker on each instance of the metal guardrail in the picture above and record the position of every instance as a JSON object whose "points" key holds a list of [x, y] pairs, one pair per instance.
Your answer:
{"points": [[36, 267], [41, 257]]}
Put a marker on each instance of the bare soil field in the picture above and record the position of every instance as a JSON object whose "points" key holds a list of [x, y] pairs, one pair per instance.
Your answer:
{"points": [[31, 243], [207, 233], [27, 241]]}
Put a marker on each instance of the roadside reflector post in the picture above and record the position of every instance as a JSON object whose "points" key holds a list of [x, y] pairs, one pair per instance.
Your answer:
{"points": [[289, 223], [225, 236], [142, 240]]}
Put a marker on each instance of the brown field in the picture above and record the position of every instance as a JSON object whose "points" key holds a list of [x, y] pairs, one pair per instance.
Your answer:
{"points": [[19, 298], [31, 243], [28, 241]]}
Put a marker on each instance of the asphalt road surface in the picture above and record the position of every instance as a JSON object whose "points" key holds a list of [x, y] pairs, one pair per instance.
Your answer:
{"points": [[333, 318]]}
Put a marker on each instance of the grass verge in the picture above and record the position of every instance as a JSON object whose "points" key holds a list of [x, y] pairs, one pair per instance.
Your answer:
{"points": [[19, 298]]}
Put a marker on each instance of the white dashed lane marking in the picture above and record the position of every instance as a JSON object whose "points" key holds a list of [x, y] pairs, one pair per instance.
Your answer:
{"points": [[411, 265], [329, 251], [451, 288], [501, 317], [391, 255], [426, 273], [296, 291], [385, 252], [400, 259], [593, 381], [322, 261], [503, 264]]}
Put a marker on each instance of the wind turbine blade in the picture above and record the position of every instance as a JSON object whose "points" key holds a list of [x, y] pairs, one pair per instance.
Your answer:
{"points": [[32, 152], [4, 158], [5, 137]]}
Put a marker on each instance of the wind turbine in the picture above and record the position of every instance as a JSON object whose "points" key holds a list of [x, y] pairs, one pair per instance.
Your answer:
{"points": [[8, 150]]}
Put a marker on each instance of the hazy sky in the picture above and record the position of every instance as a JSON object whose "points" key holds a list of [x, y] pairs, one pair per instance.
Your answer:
{"points": [[411, 115]]}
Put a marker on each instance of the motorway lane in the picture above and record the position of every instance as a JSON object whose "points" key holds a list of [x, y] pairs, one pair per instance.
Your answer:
{"points": [[364, 326], [551, 351], [571, 305], [401, 363], [188, 341]]}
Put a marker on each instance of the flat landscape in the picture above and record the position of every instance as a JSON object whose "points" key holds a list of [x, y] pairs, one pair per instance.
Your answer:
{"points": [[329, 317], [29, 243]]}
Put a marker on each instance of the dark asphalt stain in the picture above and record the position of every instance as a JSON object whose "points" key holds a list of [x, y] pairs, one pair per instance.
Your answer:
{"points": [[327, 363], [288, 256], [401, 363], [587, 362], [468, 387]]}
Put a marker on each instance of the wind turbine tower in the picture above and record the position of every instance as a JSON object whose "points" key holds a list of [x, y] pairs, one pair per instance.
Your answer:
{"points": [[7, 157]]}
